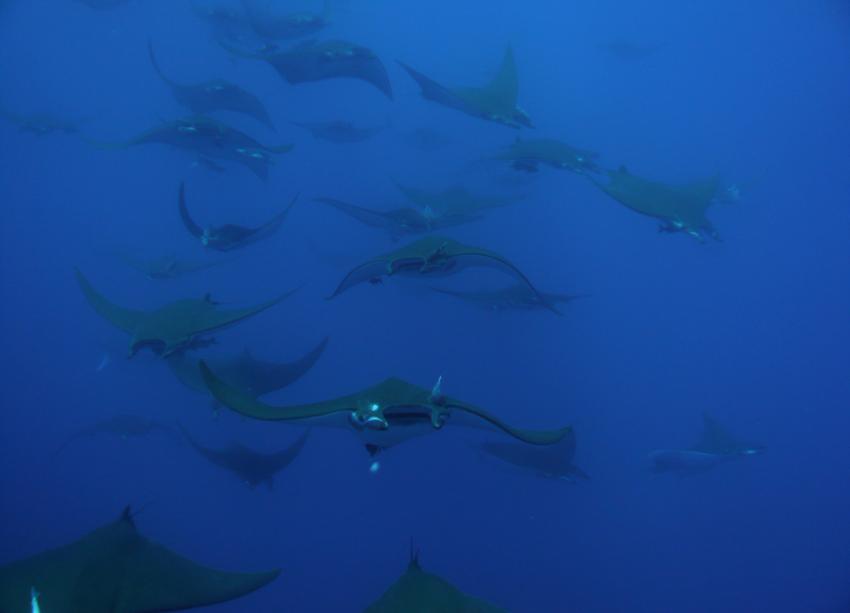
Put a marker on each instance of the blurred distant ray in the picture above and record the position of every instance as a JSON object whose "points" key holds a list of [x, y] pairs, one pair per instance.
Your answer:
{"points": [[104, 4], [122, 426], [400, 221], [251, 467], [339, 131], [715, 446], [207, 138], [455, 200], [513, 298], [271, 24], [45, 123], [529, 154], [166, 267]]}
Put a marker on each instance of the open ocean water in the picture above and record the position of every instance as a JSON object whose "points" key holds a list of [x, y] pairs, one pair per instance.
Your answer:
{"points": [[679, 173]]}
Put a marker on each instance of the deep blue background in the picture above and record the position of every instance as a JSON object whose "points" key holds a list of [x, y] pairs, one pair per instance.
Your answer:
{"points": [[754, 328]]}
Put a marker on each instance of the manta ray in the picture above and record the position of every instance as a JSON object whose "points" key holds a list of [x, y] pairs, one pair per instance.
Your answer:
{"points": [[252, 467], [680, 208], [383, 415], [515, 297], [426, 139], [551, 461], [339, 131], [454, 200], [274, 26], [229, 236], [715, 446], [398, 222], [208, 138], [115, 569], [418, 591], [123, 426], [165, 267], [173, 327], [528, 154], [245, 372], [225, 21], [432, 256], [214, 95], [317, 61], [41, 124], [495, 101]]}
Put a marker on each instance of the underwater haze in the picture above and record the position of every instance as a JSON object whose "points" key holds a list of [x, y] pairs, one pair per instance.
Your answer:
{"points": [[606, 244]]}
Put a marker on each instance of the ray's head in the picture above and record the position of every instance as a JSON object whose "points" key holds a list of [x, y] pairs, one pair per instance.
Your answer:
{"points": [[369, 415]]}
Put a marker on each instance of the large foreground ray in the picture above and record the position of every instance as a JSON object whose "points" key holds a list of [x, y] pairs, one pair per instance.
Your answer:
{"points": [[495, 101], [418, 591], [115, 569], [377, 408], [172, 327], [432, 256]]}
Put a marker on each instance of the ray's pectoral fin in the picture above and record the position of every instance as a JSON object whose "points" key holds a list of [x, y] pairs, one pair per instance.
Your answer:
{"points": [[125, 319], [372, 272], [431, 90], [116, 564], [533, 437]]}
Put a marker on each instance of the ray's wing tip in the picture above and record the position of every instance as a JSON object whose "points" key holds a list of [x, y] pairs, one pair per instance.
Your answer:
{"points": [[206, 374]]}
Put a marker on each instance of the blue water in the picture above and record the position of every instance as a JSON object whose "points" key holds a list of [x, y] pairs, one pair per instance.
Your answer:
{"points": [[754, 328]]}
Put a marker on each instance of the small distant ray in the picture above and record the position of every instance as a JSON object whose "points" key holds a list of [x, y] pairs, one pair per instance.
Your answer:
{"points": [[251, 467], [715, 446], [228, 237]]}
